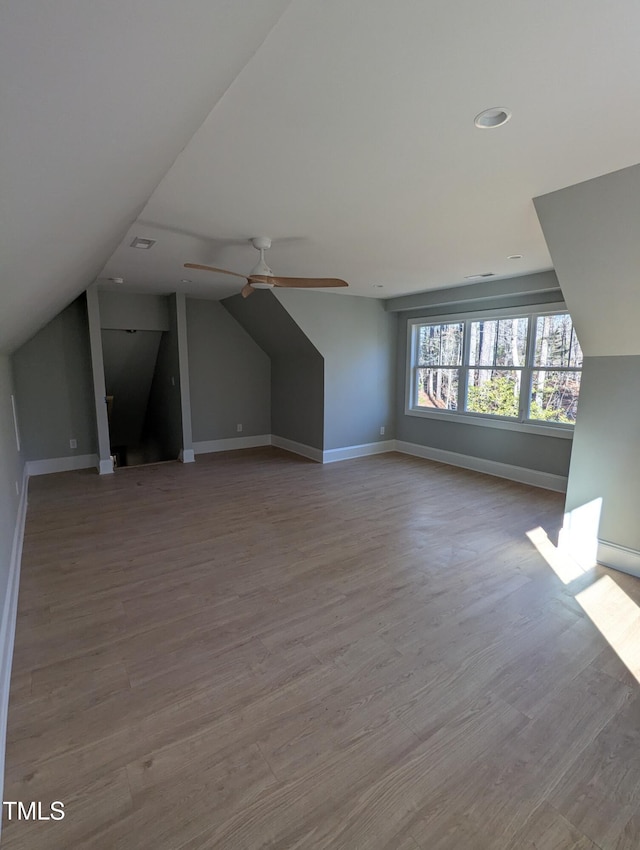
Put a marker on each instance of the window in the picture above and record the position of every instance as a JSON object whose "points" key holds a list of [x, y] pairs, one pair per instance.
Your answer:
{"points": [[519, 369], [439, 361], [557, 367]]}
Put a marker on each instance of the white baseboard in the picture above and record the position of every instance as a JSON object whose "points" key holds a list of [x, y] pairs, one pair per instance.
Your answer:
{"points": [[363, 450], [104, 467], [297, 448], [61, 464], [8, 622], [546, 480], [231, 443], [186, 456], [619, 557]]}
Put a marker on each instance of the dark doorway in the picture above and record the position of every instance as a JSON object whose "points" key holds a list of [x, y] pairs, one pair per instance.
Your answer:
{"points": [[134, 382]]}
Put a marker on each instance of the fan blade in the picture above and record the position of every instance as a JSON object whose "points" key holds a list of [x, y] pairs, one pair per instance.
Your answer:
{"points": [[247, 290], [299, 282], [211, 269]]}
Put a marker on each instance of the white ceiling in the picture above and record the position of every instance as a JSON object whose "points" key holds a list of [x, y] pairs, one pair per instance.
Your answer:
{"points": [[343, 127]]}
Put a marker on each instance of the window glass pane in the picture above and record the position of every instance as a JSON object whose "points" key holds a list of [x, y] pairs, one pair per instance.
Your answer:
{"points": [[440, 345], [494, 391], [556, 342], [437, 388], [498, 342], [554, 396]]}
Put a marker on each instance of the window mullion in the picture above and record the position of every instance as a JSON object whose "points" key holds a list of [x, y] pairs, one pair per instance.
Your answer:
{"points": [[527, 371], [463, 379], [415, 359]]}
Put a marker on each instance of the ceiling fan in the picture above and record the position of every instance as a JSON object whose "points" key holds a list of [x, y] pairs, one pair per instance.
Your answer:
{"points": [[261, 276]]}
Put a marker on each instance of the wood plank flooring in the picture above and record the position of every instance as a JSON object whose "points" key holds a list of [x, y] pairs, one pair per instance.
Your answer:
{"points": [[256, 651]]}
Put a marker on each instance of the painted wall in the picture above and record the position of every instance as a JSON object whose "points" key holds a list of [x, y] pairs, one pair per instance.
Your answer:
{"points": [[163, 424], [297, 367], [297, 400], [229, 375], [356, 337], [53, 381], [592, 233], [602, 467], [12, 506], [11, 473], [531, 451], [127, 311]]}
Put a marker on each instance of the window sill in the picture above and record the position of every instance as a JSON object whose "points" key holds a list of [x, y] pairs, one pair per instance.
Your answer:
{"points": [[564, 432]]}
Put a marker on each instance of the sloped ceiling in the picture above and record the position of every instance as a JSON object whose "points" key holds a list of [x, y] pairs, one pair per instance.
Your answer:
{"points": [[343, 129], [97, 100]]}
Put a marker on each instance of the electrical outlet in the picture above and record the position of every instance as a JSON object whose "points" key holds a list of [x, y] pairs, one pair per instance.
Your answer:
{"points": [[238, 428], [382, 430], [73, 444]]}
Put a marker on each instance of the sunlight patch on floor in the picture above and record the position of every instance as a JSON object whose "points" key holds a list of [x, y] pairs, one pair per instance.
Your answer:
{"points": [[610, 609], [560, 562], [617, 617]]}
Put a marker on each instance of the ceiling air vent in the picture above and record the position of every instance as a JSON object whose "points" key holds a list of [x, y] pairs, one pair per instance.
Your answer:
{"points": [[139, 242]]}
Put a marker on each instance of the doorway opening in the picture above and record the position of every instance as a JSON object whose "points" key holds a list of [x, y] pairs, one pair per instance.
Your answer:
{"points": [[140, 383]]}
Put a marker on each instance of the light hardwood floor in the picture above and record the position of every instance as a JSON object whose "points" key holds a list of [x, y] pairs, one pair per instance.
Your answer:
{"points": [[256, 651]]}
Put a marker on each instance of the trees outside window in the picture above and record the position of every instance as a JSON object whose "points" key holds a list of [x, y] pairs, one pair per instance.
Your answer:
{"points": [[439, 359], [557, 361], [524, 368]]}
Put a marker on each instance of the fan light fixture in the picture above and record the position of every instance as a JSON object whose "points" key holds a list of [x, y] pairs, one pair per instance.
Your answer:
{"points": [[262, 244], [261, 276]]}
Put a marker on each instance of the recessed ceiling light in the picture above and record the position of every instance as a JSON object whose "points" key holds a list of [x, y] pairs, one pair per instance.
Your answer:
{"points": [[514, 257], [184, 280], [139, 242], [116, 279], [482, 274], [489, 119], [378, 286]]}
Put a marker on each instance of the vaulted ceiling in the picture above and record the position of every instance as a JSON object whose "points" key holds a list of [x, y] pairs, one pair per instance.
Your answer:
{"points": [[343, 129]]}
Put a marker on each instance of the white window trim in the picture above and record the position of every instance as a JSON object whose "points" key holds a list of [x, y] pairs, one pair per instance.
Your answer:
{"points": [[528, 426]]}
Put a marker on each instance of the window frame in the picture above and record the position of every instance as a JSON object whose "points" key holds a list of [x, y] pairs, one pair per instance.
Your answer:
{"points": [[522, 422]]}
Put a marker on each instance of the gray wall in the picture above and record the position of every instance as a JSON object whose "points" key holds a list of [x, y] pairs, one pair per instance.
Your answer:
{"points": [[297, 368], [11, 467], [606, 447], [129, 365], [356, 337], [163, 425], [229, 375], [592, 233], [125, 310], [52, 374], [531, 451], [542, 287], [297, 401]]}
